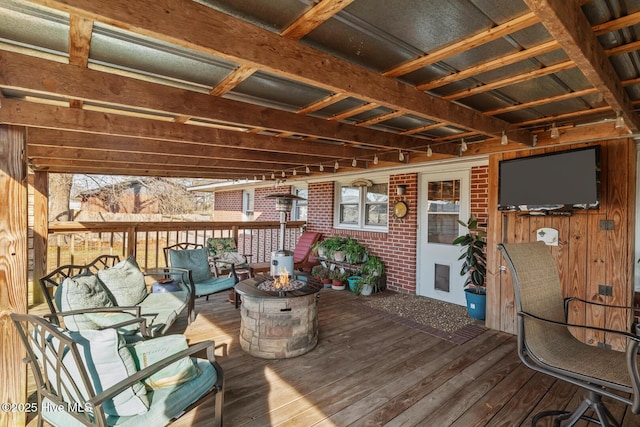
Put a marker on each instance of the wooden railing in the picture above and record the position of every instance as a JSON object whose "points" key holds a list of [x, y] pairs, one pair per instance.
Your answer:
{"points": [[80, 242]]}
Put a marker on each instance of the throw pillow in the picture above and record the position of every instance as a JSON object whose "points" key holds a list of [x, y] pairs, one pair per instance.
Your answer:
{"points": [[219, 245], [108, 361], [81, 292], [125, 282], [196, 260], [146, 353]]}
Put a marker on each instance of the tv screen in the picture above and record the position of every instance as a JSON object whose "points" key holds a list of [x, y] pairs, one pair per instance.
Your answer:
{"points": [[562, 180]]}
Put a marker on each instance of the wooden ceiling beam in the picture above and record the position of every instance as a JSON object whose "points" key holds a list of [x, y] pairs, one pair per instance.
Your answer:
{"points": [[203, 29], [314, 17], [24, 72], [236, 77], [566, 22], [512, 58], [55, 117], [82, 142], [467, 43]]}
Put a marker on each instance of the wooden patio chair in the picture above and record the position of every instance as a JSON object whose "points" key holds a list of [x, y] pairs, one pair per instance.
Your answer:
{"points": [[194, 257], [302, 257], [545, 343], [90, 378]]}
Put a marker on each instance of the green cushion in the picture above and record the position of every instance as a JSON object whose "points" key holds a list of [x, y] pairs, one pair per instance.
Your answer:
{"points": [[76, 293], [146, 353], [196, 260], [105, 320], [213, 285], [125, 282], [162, 309], [108, 361], [165, 403]]}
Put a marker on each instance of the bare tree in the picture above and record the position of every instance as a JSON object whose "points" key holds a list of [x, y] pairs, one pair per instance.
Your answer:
{"points": [[59, 197]]}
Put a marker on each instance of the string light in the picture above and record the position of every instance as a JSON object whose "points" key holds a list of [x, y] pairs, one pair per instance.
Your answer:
{"points": [[273, 175], [429, 151], [354, 162], [401, 156], [619, 121], [307, 170], [503, 139], [463, 145], [295, 172], [336, 165], [555, 133], [321, 167], [264, 178], [284, 174], [375, 159]]}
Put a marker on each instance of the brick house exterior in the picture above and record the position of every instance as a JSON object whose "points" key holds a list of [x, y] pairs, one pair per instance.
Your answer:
{"points": [[397, 246]]}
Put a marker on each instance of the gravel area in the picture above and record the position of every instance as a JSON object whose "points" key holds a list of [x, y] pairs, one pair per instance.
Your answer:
{"points": [[426, 311]]}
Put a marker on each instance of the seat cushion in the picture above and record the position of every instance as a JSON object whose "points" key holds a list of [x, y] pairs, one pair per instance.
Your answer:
{"points": [[146, 353], [220, 245], [125, 282], [213, 285], [161, 310], [196, 260]]}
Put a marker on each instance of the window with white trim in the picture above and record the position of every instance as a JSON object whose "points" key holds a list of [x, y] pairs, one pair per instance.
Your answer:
{"points": [[363, 207], [299, 211]]}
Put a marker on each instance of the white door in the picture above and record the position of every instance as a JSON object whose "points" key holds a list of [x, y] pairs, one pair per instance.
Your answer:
{"points": [[442, 201]]}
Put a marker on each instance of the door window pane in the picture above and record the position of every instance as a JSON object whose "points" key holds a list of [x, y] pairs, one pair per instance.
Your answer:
{"points": [[443, 207]]}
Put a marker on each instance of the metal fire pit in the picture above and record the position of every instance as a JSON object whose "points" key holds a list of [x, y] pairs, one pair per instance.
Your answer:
{"points": [[279, 324]]}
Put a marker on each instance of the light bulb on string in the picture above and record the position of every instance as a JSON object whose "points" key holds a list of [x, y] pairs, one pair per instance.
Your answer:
{"points": [[336, 165], [284, 174], [273, 175], [295, 172], [375, 159], [503, 139], [401, 156], [307, 170], [463, 145], [619, 121], [555, 133], [354, 162], [321, 167], [429, 151]]}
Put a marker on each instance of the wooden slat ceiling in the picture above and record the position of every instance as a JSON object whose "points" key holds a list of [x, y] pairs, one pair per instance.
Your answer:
{"points": [[223, 89]]}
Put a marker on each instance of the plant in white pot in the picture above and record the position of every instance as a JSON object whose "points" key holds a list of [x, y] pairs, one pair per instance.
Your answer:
{"points": [[474, 266]]}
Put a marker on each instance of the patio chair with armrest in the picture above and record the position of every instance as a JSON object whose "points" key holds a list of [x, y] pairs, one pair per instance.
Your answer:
{"points": [[303, 259], [194, 257], [91, 378], [545, 343], [223, 252]]}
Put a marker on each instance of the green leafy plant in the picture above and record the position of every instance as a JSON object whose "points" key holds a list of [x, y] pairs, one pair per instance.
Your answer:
{"points": [[354, 251], [473, 255], [332, 245], [320, 272], [372, 271]]}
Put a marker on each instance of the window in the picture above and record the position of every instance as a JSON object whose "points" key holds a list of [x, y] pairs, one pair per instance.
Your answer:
{"points": [[299, 212], [363, 207], [443, 207], [247, 202]]}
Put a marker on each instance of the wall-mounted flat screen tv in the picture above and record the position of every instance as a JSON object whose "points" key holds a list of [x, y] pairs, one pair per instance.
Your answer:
{"points": [[562, 180]]}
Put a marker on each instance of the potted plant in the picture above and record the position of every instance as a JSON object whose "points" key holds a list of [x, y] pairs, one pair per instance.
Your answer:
{"points": [[331, 246], [354, 251], [322, 273], [367, 285], [373, 272], [337, 279], [474, 265], [353, 279]]}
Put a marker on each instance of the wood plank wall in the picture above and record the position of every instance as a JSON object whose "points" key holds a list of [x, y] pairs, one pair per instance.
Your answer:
{"points": [[587, 256]]}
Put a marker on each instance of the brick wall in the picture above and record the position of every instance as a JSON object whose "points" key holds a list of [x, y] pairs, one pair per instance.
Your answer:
{"points": [[396, 248], [480, 193], [228, 206]]}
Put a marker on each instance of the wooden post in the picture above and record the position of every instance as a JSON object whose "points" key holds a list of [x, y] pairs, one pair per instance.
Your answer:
{"points": [[40, 230], [13, 268]]}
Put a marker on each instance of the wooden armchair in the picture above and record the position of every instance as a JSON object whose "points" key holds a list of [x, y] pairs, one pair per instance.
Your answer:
{"points": [[302, 257]]}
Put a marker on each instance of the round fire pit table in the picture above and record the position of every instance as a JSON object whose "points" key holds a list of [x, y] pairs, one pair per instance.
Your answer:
{"points": [[277, 324]]}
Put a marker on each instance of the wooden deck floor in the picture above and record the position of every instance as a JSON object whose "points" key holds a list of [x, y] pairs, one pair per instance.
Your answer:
{"points": [[368, 370]]}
